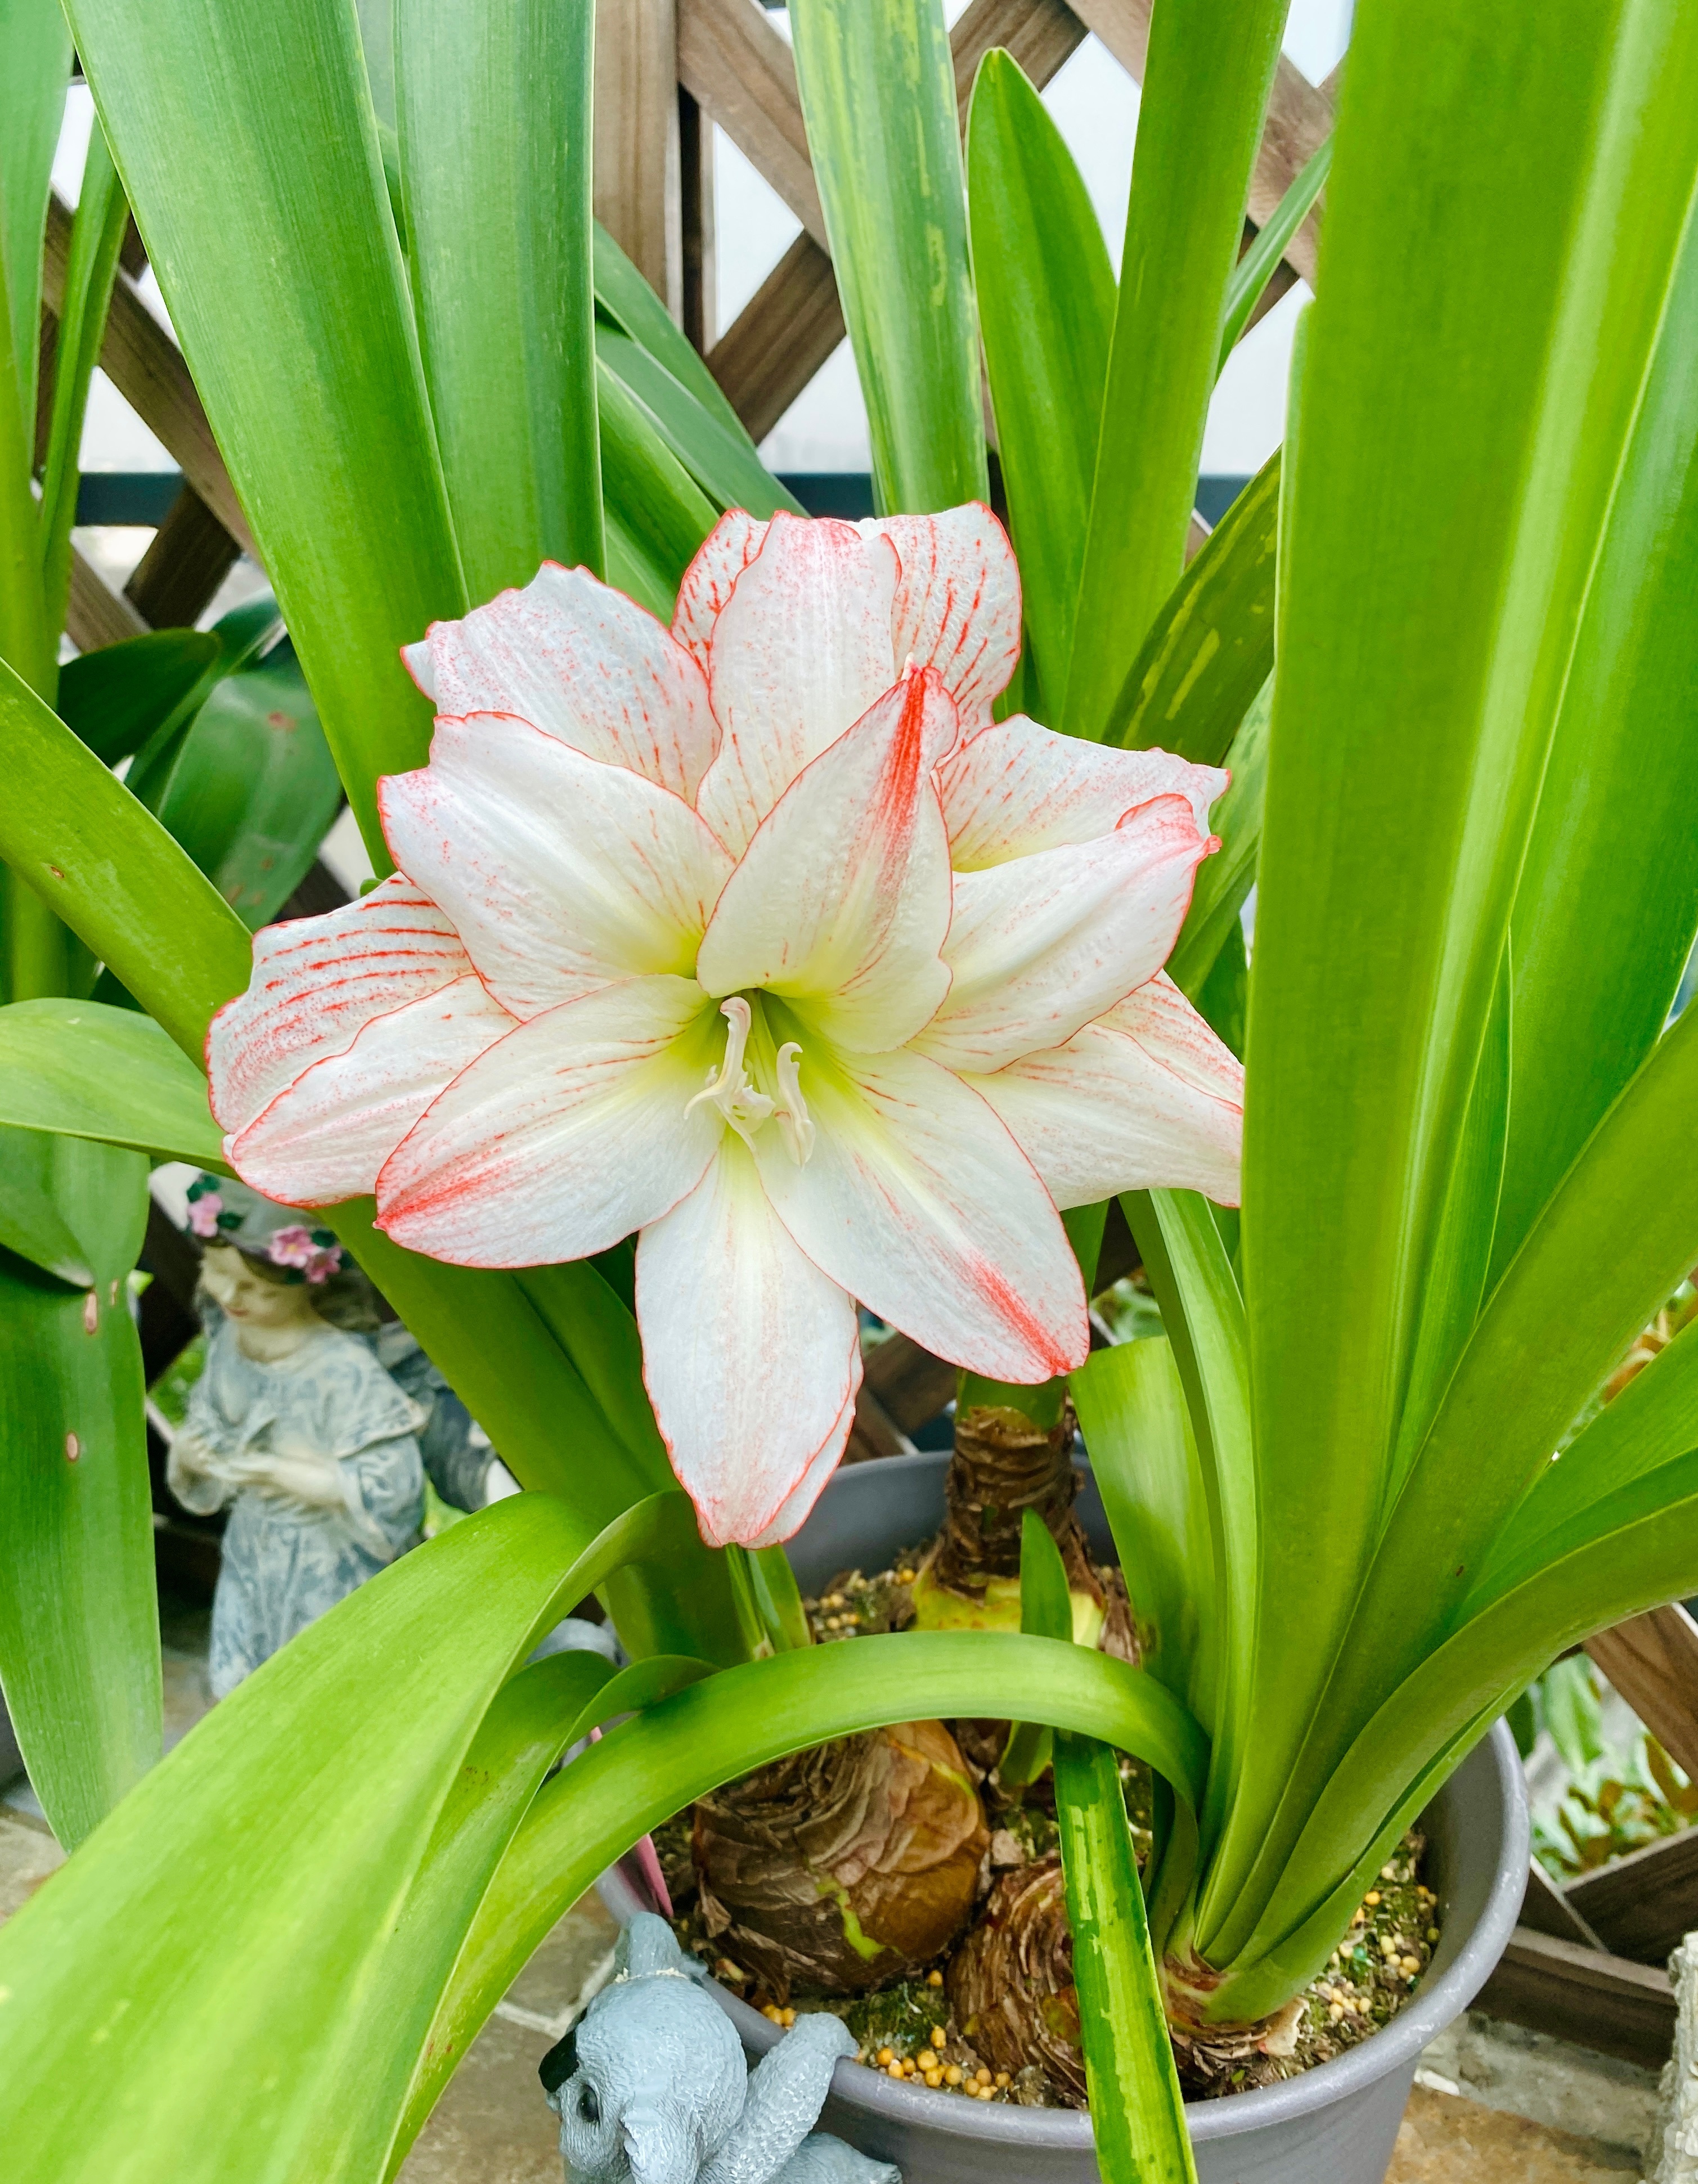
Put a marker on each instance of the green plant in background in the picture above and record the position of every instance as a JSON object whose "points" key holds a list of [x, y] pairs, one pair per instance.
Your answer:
{"points": [[1331, 1485], [1620, 1789]]}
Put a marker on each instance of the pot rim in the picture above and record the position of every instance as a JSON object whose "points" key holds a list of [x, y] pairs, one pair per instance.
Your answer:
{"points": [[1394, 2047]]}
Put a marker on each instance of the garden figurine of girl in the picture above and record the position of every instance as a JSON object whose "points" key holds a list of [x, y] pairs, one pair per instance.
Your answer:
{"points": [[293, 1422]]}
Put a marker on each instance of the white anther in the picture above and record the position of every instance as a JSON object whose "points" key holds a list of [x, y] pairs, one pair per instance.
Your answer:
{"points": [[793, 1118], [728, 1087]]}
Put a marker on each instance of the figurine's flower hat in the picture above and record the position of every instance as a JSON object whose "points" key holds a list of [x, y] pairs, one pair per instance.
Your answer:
{"points": [[225, 1211]]}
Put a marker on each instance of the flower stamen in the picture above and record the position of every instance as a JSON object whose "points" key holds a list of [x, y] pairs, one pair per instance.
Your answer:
{"points": [[728, 1087], [793, 1118]]}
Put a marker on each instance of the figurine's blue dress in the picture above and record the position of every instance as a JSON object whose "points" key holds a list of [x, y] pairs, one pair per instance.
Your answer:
{"points": [[285, 1562]]}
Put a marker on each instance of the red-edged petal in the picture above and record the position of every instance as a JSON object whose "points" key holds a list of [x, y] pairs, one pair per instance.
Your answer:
{"points": [[564, 1136], [559, 873], [1041, 946], [799, 651], [841, 902], [317, 982], [1146, 1099], [751, 1357], [918, 1201], [958, 603], [584, 663], [1015, 788], [325, 1137], [711, 577]]}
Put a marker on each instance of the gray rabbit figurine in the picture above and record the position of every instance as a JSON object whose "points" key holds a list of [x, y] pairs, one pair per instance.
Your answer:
{"points": [[651, 2088]]}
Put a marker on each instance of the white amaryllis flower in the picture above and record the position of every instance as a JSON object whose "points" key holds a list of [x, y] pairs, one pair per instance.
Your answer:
{"points": [[759, 939]]}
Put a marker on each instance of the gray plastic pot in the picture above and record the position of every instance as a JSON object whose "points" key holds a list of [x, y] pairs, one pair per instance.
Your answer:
{"points": [[1337, 2122]]}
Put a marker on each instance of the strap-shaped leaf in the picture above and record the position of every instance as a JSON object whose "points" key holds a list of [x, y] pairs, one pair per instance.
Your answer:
{"points": [[1225, 880], [1651, 1423], [492, 115], [236, 1908], [105, 864], [1204, 1315], [878, 92], [116, 697], [79, 1615], [1210, 647], [1205, 88], [97, 231], [82, 1070], [1432, 577], [1046, 298], [723, 463], [1144, 1456], [1607, 903], [649, 1769], [1254, 271], [249, 152]]}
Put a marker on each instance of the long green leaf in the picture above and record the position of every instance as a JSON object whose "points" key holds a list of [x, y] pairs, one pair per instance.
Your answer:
{"points": [[1205, 87], [650, 1768], [723, 463], [625, 299], [236, 1907], [34, 55], [79, 1619], [1138, 2113], [36, 42], [1462, 1249], [878, 92], [1607, 905], [492, 113], [250, 789], [1614, 1241], [82, 1070], [115, 698], [97, 231], [1254, 271], [657, 515], [249, 150], [1224, 880], [1210, 647], [1469, 422], [1631, 1552], [111, 872], [1046, 307], [528, 1726], [1651, 1423], [1204, 1315], [31, 1226], [1143, 1456]]}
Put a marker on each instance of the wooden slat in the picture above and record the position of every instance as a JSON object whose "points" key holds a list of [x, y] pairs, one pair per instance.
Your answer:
{"points": [[909, 1382], [190, 555], [700, 319], [1547, 1909], [793, 321], [1652, 1661], [147, 367], [1643, 1905], [96, 615], [1040, 34], [1574, 1993], [741, 72], [874, 1433], [781, 337], [637, 139]]}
